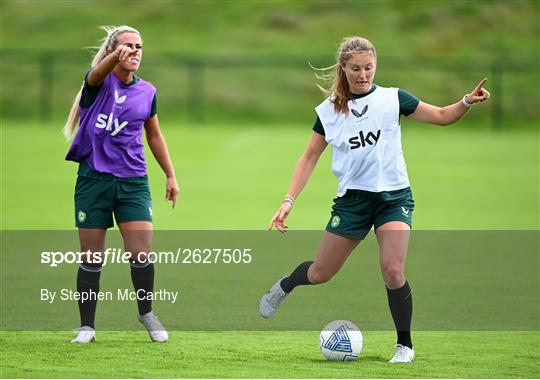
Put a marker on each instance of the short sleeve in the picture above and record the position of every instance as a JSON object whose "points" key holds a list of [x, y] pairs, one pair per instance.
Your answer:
{"points": [[318, 127], [153, 110], [89, 93], [407, 102]]}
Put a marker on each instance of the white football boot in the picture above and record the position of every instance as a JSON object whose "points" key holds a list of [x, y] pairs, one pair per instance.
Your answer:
{"points": [[85, 334], [272, 299], [403, 354], [155, 329]]}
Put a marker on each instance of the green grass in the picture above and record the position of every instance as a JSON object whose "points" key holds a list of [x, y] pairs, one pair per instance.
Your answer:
{"points": [[278, 28], [266, 355], [235, 178]]}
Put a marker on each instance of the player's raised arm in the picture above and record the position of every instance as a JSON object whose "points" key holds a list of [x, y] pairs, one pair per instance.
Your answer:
{"points": [[98, 73], [431, 114], [302, 172], [479, 94]]}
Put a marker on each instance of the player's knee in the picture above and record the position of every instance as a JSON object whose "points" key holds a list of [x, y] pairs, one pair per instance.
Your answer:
{"points": [[393, 276], [91, 255], [318, 276]]}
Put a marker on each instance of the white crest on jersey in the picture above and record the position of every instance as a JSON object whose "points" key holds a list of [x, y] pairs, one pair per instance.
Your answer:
{"points": [[119, 100]]}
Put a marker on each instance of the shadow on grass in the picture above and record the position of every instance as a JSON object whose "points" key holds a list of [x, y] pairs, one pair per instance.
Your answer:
{"points": [[362, 358]]}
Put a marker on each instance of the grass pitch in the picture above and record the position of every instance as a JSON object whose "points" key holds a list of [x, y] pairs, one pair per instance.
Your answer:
{"points": [[234, 178], [266, 355]]}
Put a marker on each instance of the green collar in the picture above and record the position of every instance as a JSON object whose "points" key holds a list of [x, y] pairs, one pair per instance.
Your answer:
{"points": [[358, 96], [135, 80]]}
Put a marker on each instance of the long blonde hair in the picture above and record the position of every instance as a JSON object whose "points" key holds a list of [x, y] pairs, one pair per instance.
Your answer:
{"points": [[109, 41], [340, 87]]}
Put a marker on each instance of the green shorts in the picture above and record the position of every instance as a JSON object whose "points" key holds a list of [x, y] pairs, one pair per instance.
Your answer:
{"points": [[99, 196], [357, 211]]}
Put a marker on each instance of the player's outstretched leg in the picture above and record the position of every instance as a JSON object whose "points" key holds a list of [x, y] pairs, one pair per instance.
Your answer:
{"points": [[332, 253], [272, 299]]}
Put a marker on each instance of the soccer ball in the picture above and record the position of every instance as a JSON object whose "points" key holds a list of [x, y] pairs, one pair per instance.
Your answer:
{"points": [[341, 341]]}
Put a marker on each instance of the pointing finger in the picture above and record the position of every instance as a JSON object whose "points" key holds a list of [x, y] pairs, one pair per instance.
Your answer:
{"points": [[121, 53], [480, 85]]}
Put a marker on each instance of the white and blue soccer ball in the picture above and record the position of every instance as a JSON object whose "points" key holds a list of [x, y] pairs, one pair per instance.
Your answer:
{"points": [[341, 341]]}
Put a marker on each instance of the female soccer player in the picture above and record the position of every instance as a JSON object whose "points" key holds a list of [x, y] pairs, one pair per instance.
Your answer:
{"points": [[113, 107], [361, 121]]}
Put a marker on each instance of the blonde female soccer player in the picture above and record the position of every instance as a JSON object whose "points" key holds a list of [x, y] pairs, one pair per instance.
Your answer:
{"points": [[361, 122], [112, 109]]}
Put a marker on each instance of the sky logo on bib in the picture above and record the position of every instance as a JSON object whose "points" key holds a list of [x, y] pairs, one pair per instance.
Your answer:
{"points": [[109, 124], [355, 112], [362, 140], [119, 99]]}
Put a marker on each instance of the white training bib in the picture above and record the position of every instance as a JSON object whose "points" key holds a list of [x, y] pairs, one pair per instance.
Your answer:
{"points": [[366, 144]]}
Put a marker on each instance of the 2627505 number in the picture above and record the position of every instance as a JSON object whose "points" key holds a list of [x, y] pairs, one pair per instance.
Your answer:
{"points": [[216, 256]]}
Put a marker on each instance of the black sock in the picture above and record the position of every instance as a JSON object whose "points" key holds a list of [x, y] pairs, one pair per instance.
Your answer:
{"points": [[88, 282], [297, 277], [142, 276], [400, 302]]}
